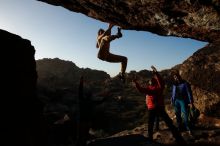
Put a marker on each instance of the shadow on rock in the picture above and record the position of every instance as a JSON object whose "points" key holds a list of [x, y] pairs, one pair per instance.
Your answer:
{"points": [[129, 140]]}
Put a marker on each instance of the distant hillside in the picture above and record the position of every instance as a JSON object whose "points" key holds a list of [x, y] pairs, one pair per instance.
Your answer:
{"points": [[58, 82], [58, 73], [123, 109]]}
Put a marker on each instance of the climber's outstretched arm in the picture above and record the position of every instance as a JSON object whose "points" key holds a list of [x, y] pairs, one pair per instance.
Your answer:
{"points": [[108, 31], [117, 36], [103, 33]]}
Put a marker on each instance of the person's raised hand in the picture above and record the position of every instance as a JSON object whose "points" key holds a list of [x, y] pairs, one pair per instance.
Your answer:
{"points": [[153, 68]]}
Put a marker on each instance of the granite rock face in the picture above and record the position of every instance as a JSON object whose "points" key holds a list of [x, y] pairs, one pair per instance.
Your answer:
{"points": [[197, 19], [202, 70]]}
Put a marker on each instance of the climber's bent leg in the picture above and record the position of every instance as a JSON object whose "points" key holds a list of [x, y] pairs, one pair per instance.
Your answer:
{"points": [[117, 58]]}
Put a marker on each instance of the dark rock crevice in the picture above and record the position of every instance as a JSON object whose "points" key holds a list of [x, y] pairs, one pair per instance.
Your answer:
{"points": [[22, 122]]}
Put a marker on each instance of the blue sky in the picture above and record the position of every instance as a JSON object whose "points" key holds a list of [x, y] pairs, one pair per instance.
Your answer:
{"points": [[58, 32]]}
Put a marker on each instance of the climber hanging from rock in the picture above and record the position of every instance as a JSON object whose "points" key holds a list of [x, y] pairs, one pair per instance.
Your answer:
{"points": [[103, 43]]}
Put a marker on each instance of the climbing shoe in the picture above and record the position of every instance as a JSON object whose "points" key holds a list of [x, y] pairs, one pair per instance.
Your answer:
{"points": [[119, 34]]}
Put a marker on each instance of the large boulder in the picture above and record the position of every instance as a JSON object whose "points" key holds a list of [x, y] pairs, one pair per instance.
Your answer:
{"points": [[197, 19], [22, 121]]}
